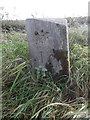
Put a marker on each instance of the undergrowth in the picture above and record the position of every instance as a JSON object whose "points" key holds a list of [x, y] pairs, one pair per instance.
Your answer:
{"points": [[30, 95]]}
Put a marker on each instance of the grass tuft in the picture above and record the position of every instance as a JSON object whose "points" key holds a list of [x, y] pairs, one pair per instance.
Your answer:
{"points": [[29, 95]]}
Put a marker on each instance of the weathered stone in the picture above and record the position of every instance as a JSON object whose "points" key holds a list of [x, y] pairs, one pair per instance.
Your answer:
{"points": [[48, 42]]}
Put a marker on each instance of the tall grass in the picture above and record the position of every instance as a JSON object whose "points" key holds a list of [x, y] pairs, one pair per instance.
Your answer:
{"points": [[28, 95]]}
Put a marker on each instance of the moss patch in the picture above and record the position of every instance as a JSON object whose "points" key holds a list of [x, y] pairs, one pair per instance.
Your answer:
{"points": [[62, 56]]}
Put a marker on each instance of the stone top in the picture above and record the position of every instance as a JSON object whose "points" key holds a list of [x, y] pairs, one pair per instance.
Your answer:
{"points": [[54, 20]]}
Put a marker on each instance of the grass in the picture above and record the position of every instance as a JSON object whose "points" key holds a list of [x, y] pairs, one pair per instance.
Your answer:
{"points": [[28, 95]]}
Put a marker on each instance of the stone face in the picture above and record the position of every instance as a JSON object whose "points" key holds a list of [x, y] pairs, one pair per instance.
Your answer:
{"points": [[48, 43]]}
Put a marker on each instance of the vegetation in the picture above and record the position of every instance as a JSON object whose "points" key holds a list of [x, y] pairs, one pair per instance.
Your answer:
{"points": [[32, 95], [19, 25], [13, 25]]}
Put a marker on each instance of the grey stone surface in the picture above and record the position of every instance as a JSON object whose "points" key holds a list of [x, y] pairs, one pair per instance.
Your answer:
{"points": [[48, 43]]}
